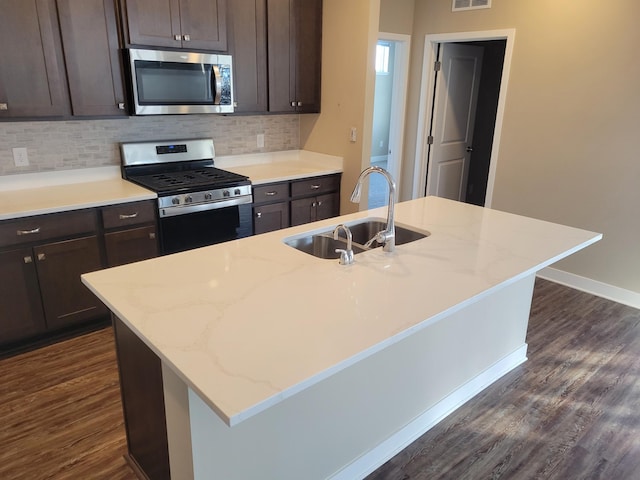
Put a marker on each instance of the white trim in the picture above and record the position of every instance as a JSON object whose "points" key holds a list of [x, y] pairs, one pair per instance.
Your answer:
{"points": [[398, 102], [426, 102], [373, 459], [594, 287]]}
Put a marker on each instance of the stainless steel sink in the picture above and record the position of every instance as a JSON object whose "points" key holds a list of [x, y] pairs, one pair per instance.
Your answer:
{"points": [[365, 230], [322, 245]]}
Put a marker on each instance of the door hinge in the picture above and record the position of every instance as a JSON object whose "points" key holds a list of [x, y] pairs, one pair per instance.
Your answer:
{"points": [[430, 140], [437, 66]]}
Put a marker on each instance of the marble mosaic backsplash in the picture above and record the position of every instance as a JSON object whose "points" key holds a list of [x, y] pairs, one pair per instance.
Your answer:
{"points": [[63, 145]]}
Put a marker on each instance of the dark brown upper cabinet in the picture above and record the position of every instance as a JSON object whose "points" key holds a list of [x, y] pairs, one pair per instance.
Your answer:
{"points": [[90, 38], [189, 24], [294, 32], [32, 76], [248, 45]]}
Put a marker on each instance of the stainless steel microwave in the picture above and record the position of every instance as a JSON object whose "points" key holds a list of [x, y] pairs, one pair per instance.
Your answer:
{"points": [[174, 82]]}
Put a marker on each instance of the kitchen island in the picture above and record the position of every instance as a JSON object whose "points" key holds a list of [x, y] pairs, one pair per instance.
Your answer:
{"points": [[278, 364]]}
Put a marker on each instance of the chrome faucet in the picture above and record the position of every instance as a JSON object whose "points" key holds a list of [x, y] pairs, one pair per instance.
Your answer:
{"points": [[386, 237], [346, 256]]}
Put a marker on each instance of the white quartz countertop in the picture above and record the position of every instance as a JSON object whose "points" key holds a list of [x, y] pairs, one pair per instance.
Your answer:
{"points": [[249, 323], [281, 166], [52, 192], [58, 191]]}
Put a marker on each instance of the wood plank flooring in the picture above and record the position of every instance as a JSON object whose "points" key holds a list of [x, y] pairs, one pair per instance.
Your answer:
{"points": [[570, 412], [60, 413]]}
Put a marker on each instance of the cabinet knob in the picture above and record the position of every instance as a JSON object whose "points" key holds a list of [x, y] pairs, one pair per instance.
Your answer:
{"points": [[299, 104], [320, 203], [4, 106], [152, 235], [186, 38], [28, 259], [259, 215], [177, 37], [121, 106], [293, 104], [41, 257]]}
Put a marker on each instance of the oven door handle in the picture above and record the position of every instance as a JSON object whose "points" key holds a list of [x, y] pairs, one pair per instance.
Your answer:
{"points": [[216, 84]]}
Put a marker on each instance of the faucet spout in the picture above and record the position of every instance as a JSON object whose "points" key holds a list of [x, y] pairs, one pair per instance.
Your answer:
{"points": [[386, 237]]}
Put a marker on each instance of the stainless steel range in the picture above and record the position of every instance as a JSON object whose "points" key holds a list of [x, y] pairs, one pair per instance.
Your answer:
{"points": [[198, 204]]}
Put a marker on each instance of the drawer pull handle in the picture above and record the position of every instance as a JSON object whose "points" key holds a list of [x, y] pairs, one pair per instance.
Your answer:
{"points": [[271, 193], [124, 216], [28, 232], [315, 187], [4, 106]]}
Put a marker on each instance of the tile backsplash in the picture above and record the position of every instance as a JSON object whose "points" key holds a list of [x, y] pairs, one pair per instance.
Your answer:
{"points": [[63, 145]]}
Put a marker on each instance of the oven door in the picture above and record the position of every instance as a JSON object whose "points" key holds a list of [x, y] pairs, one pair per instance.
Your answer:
{"points": [[198, 229], [167, 82]]}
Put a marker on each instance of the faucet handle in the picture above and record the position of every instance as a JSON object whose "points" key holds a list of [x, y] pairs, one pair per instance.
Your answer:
{"points": [[346, 256]]}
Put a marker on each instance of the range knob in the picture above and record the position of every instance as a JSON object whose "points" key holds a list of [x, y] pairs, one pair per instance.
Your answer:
{"points": [[225, 193], [188, 199], [208, 196], [237, 191], [175, 200]]}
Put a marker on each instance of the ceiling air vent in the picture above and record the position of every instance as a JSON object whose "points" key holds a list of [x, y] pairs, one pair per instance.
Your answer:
{"points": [[459, 5]]}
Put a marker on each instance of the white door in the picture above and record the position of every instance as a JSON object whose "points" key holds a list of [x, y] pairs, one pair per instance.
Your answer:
{"points": [[455, 103]]}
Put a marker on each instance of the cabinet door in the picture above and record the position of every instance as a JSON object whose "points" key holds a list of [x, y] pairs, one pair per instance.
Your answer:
{"points": [[131, 245], [153, 22], [294, 32], [90, 38], [203, 24], [303, 211], [308, 42], [32, 77], [248, 45], [281, 56], [267, 218], [21, 314], [327, 206], [65, 299]]}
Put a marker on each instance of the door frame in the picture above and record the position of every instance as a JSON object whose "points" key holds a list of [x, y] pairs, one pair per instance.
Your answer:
{"points": [[427, 87], [398, 100]]}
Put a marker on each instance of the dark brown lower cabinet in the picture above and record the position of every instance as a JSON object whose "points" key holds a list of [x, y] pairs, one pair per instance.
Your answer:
{"points": [[268, 218], [307, 210], [142, 403], [21, 313], [131, 245], [65, 299]]}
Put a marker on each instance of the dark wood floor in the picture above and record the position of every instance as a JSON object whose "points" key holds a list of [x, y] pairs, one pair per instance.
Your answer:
{"points": [[572, 411]]}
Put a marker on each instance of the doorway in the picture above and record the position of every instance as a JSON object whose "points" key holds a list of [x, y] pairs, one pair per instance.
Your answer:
{"points": [[392, 74], [480, 148]]}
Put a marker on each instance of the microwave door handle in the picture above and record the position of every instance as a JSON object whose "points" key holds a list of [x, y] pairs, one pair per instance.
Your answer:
{"points": [[216, 83]]}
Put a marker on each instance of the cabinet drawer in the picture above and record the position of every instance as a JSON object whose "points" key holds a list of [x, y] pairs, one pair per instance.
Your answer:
{"points": [[125, 214], [271, 193], [314, 186], [46, 227]]}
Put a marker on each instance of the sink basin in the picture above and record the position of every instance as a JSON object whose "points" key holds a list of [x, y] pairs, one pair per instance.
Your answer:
{"points": [[322, 244], [365, 230]]}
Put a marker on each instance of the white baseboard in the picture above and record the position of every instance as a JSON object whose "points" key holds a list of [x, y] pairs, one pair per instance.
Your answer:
{"points": [[373, 459], [604, 290]]}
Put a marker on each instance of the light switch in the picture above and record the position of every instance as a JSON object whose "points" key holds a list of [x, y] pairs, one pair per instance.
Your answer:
{"points": [[260, 140], [353, 135]]}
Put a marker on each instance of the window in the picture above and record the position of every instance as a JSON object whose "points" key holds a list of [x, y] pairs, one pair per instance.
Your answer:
{"points": [[382, 58]]}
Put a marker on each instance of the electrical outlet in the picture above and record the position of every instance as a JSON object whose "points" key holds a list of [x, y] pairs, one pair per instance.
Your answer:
{"points": [[20, 157], [260, 140]]}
